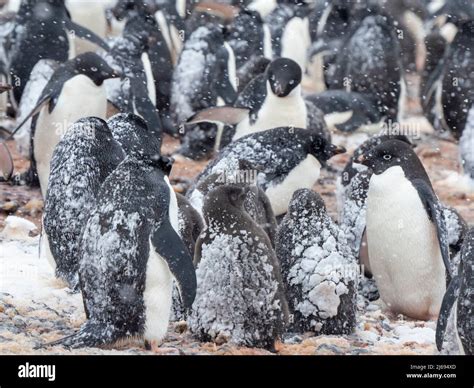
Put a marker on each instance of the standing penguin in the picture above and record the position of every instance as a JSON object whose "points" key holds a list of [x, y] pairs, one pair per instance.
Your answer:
{"points": [[271, 100], [136, 92], [285, 158], [205, 76], [369, 63], [406, 232], [81, 161], [74, 91], [130, 252], [460, 295], [318, 269], [41, 32], [240, 297]]}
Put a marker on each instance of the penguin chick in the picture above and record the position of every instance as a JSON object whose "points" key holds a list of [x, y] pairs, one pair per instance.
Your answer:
{"points": [[240, 297], [319, 271]]}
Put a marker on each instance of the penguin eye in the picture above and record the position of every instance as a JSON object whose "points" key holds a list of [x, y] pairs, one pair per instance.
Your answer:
{"points": [[387, 157]]}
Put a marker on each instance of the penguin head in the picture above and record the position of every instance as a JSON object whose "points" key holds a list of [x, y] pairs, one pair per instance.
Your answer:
{"points": [[388, 154], [283, 76], [306, 201], [138, 140], [94, 67], [323, 150], [230, 194]]}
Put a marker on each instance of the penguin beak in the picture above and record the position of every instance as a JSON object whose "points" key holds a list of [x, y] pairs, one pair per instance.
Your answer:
{"points": [[336, 150], [117, 74]]}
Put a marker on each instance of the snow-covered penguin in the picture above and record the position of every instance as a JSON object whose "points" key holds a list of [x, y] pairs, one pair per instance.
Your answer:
{"points": [[205, 76], [285, 158], [135, 92], [240, 297], [369, 63], [319, 271], [406, 232], [74, 91], [41, 32], [81, 161], [457, 307], [130, 253]]}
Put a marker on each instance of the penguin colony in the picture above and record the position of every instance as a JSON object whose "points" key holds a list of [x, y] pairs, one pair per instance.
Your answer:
{"points": [[248, 254]]}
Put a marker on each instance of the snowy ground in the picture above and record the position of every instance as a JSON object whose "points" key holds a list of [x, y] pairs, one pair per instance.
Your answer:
{"points": [[36, 308]]}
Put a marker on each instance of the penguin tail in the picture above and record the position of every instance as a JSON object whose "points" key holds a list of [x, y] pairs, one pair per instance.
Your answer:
{"points": [[90, 335]]}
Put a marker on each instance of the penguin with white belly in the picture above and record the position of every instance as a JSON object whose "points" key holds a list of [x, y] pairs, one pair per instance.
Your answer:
{"points": [[271, 100], [74, 91], [406, 232], [81, 162], [285, 159], [130, 253], [204, 76], [458, 303], [135, 93], [41, 32]]}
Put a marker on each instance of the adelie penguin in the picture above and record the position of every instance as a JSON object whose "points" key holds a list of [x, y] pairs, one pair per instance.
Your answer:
{"points": [[270, 100], [204, 76], [286, 159], [240, 297], [406, 232], [369, 63], [82, 160], [74, 91], [130, 253], [41, 32], [455, 329], [135, 92], [318, 269]]}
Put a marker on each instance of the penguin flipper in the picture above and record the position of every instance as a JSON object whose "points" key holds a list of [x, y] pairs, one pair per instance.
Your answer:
{"points": [[171, 248], [435, 212], [6, 162], [220, 114], [85, 33], [145, 107], [446, 306], [43, 101]]}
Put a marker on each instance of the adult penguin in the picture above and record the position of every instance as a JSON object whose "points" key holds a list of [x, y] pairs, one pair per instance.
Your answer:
{"points": [[285, 159], [135, 92], [41, 32], [81, 162], [406, 232], [457, 307], [205, 76], [130, 253], [270, 100], [74, 91], [365, 64]]}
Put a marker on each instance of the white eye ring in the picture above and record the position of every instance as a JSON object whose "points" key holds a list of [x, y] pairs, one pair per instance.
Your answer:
{"points": [[387, 157]]}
